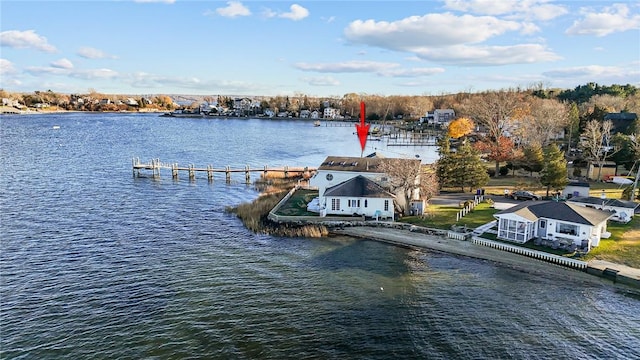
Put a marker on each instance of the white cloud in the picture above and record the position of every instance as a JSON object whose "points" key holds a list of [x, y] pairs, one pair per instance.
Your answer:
{"points": [[451, 39], [28, 39], [233, 9], [516, 9], [93, 74], [489, 55], [431, 30], [63, 63], [151, 81], [92, 53], [6, 67], [346, 67], [321, 81], [413, 72], [155, 1], [378, 68], [39, 70], [595, 71], [297, 13], [615, 18]]}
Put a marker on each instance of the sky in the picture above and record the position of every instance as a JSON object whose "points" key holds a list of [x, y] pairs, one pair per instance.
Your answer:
{"points": [[315, 48]]}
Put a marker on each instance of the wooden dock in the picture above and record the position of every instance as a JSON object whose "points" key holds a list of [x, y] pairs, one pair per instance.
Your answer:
{"points": [[156, 166]]}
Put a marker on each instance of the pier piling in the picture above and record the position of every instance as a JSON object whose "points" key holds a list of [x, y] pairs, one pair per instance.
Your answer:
{"points": [[155, 166]]}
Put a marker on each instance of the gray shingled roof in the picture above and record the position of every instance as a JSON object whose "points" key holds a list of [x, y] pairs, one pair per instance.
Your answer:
{"points": [[533, 210], [358, 186], [606, 202], [359, 164]]}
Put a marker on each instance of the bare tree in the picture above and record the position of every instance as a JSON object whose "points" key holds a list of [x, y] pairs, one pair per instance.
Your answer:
{"points": [[408, 180], [597, 142], [541, 120], [494, 110]]}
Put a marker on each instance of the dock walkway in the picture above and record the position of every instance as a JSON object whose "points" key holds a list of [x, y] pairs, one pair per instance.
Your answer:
{"points": [[156, 166]]}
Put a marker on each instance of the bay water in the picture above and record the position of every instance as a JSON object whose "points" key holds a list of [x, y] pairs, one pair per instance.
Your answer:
{"points": [[98, 264]]}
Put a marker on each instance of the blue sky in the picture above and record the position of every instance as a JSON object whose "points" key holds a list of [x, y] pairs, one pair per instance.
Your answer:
{"points": [[317, 48]]}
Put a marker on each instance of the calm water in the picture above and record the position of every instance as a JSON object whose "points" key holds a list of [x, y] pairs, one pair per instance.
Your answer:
{"points": [[96, 264]]}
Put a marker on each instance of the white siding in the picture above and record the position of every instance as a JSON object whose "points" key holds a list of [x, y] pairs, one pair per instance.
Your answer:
{"points": [[359, 206]]}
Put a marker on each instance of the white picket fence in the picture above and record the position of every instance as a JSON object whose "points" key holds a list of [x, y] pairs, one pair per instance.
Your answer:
{"points": [[467, 209], [555, 259]]}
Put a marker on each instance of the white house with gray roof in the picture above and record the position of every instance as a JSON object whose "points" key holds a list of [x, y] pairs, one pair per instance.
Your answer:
{"points": [[623, 211], [338, 170], [358, 196], [564, 222]]}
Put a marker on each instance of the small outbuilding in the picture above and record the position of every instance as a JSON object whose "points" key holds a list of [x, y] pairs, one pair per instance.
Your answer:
{"points": [[576, 189]]}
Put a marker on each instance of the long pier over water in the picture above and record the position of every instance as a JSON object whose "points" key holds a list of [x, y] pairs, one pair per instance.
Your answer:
{"points": [[156, 166]]}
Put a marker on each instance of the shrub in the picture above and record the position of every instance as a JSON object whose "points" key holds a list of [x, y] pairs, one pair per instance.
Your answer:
{"points": [[504, 170]]}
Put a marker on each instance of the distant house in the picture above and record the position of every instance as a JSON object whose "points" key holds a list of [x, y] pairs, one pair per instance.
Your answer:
{"points": [[358, 196], [131, 102], [609, 169], [269, 113], [315, 114], [576, 189], [305, 114], [622, 122], [337, 170], [622, 211], [550, 220], [330, 113], [441, 117]]}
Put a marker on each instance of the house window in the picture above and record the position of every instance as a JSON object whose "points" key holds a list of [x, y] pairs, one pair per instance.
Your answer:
{"points": [[365, 203], [386, 205], [335, 204], [567, 229]]}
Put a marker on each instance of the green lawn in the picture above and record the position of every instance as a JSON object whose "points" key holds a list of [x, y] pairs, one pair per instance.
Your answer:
{"points": [[623, 247], [443, 216], [297, 203]]}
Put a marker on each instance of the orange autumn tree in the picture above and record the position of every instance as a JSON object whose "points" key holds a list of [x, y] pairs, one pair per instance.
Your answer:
{"points": [[460, 127], [499, 150]]}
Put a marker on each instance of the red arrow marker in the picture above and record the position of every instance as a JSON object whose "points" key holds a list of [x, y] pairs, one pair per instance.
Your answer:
{"points": [[362, 129]]}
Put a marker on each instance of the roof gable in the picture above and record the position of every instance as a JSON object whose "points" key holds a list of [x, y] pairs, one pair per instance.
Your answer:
{"points": [[358, 186]]}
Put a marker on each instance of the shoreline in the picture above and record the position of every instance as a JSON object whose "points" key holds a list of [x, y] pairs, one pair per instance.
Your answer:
{"points": [[467, 249]]}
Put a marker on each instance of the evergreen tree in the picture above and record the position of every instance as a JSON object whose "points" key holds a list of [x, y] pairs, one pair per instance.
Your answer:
{"points": [[444, 166], [554, 170], [533, 158], [467, 168]]}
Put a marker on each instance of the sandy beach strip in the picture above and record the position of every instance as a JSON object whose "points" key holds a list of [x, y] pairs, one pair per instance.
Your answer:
{"points": [[468, 249]]}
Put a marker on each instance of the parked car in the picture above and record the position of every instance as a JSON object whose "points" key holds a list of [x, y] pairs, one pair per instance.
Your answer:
{"points": [[523, 195]]}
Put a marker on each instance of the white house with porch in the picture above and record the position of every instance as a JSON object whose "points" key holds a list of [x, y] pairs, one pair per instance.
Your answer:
{"points": [[338, 170], [564, 222]]}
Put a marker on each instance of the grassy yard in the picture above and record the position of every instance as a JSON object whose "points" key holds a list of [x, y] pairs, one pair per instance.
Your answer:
{"points": [[443, 216], [297, 203], [623, 247]]}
